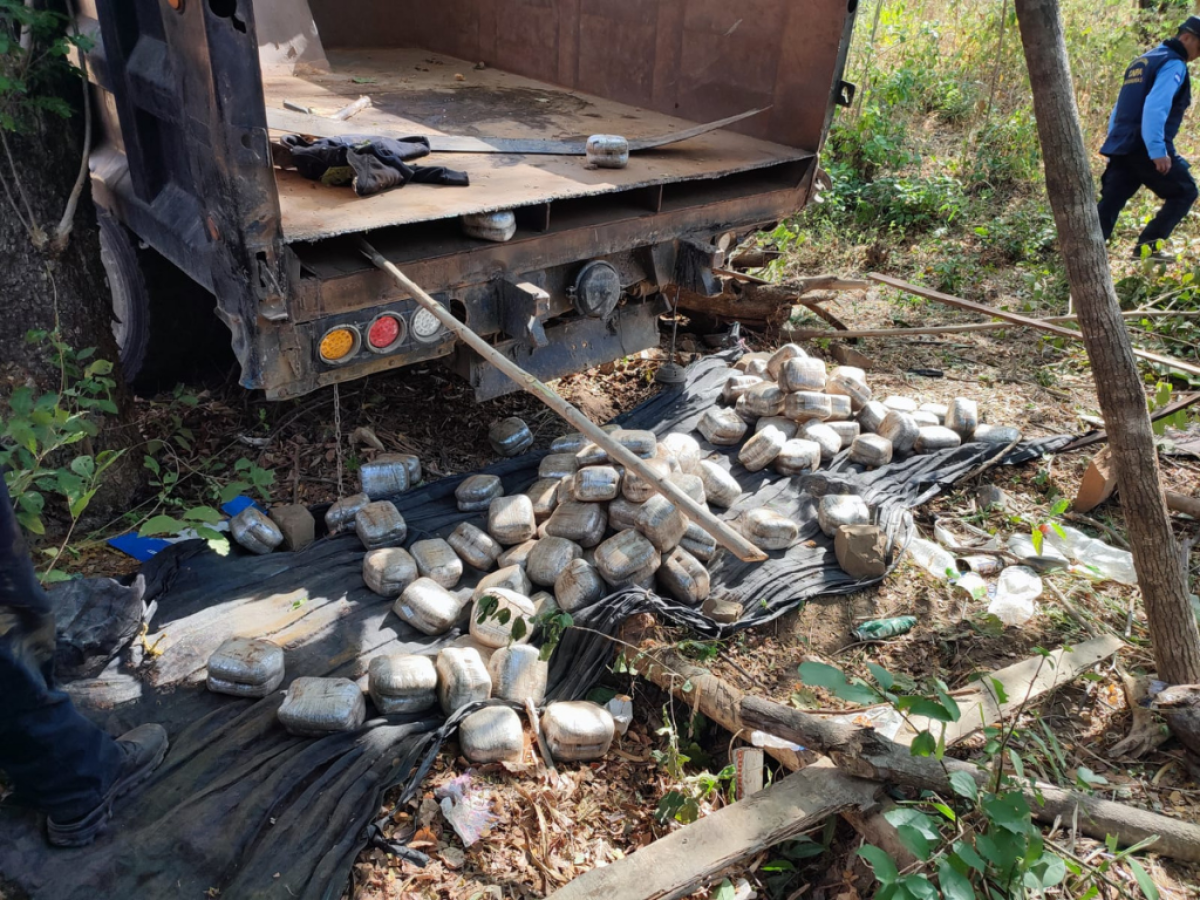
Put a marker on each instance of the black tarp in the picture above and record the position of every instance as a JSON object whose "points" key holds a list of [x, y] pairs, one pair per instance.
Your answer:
{"points": [[244, 808]]}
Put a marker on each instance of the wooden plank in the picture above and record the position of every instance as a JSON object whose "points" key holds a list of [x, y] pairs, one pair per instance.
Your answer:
{"points": [[408, 101], [1026, 680], [678, 864], [1040, 324]]}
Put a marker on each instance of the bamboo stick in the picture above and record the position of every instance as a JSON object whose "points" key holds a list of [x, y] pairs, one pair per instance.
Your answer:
{"points": [[807, 334], [722, 533], [1040, 324]]}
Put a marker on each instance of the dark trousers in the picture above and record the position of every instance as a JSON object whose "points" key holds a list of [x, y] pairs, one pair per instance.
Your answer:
{"points": [[1122, 178], [55, 759]]}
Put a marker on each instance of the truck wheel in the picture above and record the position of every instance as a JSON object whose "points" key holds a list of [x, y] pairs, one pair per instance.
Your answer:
{"points": [[165, 324], [131, 303]]}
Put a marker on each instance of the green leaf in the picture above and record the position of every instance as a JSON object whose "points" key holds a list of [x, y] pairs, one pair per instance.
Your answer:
{"points": [[231, 490], [998, 688], [923, 706], [99, 367], [885, 870], [1087, 779], [724, 891], [1059, 530], [1145, 882], [954, 885], [918, 886], [914, 841], [21, 401], [80, 503], [833, 680], [967, 854], [1009, 811], [31, 523], [83, 466], [203, 514], [160, 525], [913, 818], [54, 576], [19, 431], [1060, 506], [924, 744], [519, 628], [1046, 873], [945, 811], [964, 785], [882, 675], [1038, 539]]}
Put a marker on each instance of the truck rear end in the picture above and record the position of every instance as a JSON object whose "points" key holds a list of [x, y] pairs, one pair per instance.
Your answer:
{"points": [[193, 92]]}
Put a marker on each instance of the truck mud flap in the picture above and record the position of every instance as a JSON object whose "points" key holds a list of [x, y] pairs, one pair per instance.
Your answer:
{"points": [[573, 346]]}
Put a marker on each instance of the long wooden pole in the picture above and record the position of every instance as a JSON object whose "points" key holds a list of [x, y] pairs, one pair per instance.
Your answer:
{"points": [[722, 533], [808, 334], [1040, 324]]}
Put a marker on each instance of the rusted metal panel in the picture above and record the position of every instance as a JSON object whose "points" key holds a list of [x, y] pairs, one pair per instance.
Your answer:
{"points": [[700, 59], [345, 282]]}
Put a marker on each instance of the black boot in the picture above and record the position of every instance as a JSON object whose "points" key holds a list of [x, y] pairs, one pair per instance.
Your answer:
{"points": [[144, 748]]}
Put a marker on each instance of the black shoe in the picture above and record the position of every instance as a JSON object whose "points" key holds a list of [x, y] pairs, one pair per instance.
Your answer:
{"points": [[1155, 256], [144, 748]]}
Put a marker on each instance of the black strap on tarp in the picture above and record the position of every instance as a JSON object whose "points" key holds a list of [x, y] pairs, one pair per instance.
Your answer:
{"points": [[242, 807]]}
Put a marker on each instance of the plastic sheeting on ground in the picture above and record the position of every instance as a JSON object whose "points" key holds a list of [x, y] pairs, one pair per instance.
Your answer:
{"points": [[242, 807]]}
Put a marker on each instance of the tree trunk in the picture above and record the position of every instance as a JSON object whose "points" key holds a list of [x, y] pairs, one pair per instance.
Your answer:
{"points": [[51, 278], [40, 284], [1118, 385]]}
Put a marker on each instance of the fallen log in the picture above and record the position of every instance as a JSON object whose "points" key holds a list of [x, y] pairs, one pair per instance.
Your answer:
{"points": [[1040, 324], [864, 753], [676, 865], [752, 304]]}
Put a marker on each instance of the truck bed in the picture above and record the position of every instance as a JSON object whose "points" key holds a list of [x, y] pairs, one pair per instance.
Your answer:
{"points": [[416, 92]]}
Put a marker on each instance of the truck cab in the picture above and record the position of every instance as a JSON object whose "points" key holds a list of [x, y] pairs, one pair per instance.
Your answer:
{"points": [[193, 96]]}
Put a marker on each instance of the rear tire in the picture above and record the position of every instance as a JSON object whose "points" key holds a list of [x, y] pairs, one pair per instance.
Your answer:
{"points": [[166, 325], [130, 302]]}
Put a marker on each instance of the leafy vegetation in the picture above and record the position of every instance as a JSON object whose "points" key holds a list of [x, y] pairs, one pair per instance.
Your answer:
{"points": [[935, 171], [982, 842]]}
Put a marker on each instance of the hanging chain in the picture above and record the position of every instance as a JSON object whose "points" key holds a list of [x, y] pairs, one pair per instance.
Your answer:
{"points": [[674, 323], [337, 434]]}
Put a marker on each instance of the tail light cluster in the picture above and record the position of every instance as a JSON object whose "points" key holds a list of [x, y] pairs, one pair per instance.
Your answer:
{"points": [[385, 333]]}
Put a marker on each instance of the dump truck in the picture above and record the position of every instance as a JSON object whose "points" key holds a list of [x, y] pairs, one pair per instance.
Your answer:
{"points": [[191, 98]]}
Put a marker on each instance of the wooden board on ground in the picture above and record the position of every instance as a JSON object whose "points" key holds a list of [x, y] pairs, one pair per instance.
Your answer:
{"points": [[1026, 680], [679, 863]]}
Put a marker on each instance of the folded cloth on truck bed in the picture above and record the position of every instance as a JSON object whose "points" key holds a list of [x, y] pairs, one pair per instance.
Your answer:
{"points": [[373, 164], [245, 808]]}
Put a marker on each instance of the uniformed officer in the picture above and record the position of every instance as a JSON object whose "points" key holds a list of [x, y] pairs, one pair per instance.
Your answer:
{"points": [[55, 760], [1140, 145]]}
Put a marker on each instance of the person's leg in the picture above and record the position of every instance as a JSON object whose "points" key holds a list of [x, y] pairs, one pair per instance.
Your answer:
{"points": [[1118, 184], [1178, 191], [55, 759]]}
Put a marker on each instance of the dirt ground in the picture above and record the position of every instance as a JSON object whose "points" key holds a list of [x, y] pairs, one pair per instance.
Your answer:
{"points": [[547, 832]]}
